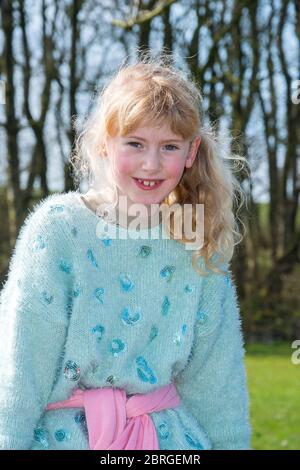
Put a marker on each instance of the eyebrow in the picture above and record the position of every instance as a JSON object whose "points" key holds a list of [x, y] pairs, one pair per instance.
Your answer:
{"points": [[144, 140]]}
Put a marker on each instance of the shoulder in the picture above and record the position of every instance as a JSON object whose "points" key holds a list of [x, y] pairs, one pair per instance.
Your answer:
{"points": [[47, 233], [46, 229], [214, 283], [55, 211], [213, 293], [56, 206]]}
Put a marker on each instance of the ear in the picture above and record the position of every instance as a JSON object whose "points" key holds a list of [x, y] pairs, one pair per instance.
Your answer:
{"points": [[193, 152]]}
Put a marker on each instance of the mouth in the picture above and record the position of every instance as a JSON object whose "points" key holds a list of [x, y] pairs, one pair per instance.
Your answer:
{"points": [[147, 184]]}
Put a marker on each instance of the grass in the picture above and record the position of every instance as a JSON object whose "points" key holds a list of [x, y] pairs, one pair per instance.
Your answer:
{"points": [[274, 388]]}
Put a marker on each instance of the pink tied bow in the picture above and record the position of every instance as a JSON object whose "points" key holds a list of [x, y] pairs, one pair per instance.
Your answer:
{"points": [[116, 422]]}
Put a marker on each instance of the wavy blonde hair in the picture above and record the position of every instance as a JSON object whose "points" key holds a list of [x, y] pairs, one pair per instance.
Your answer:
{"points": [[153, 91]]}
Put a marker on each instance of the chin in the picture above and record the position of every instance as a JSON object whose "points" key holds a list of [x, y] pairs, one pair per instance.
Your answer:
{"points": [[148, 202]]}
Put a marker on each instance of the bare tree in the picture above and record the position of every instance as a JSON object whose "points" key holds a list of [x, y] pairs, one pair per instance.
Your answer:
{"points": [[38, 165], [12, 124]]}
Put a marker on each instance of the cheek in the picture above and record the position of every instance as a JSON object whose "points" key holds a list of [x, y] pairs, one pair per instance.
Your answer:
{"points": [[125, 164], [175, 168]]}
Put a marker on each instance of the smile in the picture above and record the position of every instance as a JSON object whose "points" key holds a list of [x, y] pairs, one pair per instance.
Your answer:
{"points": [[147, 184]]}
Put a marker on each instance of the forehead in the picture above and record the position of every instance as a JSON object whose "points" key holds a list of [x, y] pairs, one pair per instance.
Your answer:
{"points": [[159, 132]]}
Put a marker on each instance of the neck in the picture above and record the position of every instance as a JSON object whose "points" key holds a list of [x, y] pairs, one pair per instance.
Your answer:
{"points": [[121, 214]]}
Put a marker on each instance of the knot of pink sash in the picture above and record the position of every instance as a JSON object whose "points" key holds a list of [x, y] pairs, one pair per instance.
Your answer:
{"points": [[116, 422]]}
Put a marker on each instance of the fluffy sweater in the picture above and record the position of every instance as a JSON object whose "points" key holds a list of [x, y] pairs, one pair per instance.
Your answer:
{"points": [[80, 309]]}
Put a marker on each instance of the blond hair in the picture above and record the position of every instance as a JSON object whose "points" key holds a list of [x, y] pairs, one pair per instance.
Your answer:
{"points": [[153, 91]]}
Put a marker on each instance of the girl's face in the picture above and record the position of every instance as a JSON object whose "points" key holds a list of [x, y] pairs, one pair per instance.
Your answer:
{"points": [[151, 154]]}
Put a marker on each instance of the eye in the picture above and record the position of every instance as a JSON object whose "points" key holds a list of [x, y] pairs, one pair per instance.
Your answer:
{"points": [[173, 147], [133, 144]]}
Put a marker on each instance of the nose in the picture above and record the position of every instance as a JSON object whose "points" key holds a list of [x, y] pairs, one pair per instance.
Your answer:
{"points": [[152, 161]]}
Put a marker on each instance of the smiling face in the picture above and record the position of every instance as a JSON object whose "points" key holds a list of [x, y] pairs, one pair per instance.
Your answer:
{"points": [[149, 153]]}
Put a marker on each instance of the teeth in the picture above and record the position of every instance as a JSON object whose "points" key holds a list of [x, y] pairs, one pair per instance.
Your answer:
{"points": [[147, 183]]}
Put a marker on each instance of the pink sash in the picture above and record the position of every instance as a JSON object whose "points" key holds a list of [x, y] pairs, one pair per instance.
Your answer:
{"points": [[116, 422]]}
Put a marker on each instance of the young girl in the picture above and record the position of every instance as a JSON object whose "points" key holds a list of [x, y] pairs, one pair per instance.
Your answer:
{"points": [[119, 338]]}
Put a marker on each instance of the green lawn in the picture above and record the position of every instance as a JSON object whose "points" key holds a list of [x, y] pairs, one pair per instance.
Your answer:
{"points": [[274, 387]]}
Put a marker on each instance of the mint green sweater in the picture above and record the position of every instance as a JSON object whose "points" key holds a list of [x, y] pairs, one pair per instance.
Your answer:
{"points": [[82, 309]]}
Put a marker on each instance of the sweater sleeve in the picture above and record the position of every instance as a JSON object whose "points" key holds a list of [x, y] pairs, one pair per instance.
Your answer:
{"points": [[213, 385], [33, 322]]}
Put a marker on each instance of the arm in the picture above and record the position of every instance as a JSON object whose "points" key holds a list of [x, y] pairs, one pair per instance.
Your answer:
{"points": [[33, 323], [213, 385]]}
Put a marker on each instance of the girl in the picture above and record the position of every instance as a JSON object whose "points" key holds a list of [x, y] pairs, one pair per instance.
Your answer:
{"points": [[118, 338]]}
